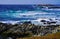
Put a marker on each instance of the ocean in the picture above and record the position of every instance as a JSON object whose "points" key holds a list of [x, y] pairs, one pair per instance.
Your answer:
{"points": [[27, 12]]}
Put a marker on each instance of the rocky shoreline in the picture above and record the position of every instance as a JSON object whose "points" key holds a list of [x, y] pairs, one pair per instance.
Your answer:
{"points": [[26, 29]]}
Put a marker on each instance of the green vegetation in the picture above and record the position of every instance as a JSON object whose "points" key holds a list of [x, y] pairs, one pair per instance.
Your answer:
{"points": [[49, 36]]}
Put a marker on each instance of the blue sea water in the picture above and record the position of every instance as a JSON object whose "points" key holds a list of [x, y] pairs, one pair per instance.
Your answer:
{"points": [[26, 12]]}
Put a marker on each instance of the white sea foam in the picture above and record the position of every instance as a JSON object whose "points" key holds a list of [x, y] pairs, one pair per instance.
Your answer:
{"points": [[38, 21], [10, 22], [30, 14]]}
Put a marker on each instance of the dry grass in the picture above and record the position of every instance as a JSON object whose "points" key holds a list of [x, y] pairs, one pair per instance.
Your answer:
{"points": [[50, 36]]}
